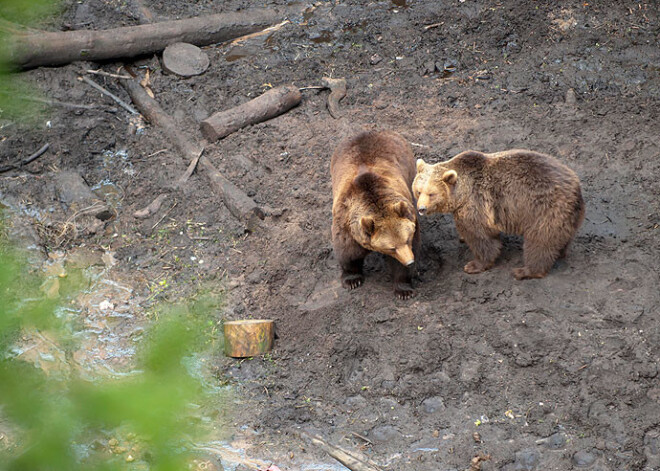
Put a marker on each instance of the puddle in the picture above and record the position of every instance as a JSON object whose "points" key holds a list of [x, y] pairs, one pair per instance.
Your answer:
{"points": [[109, 192], [118, 159]]}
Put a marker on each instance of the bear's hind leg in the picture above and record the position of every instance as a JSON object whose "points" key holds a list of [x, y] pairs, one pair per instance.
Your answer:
{"points": [[539, 258]]}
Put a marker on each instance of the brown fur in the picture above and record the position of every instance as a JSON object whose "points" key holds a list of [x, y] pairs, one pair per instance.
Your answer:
{"points": [[373, 208], [517, 192]]}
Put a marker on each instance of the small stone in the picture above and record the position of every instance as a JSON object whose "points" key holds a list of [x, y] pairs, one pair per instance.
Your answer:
{"points": [[583, 459], [356, 402], [385, 434], [113, 442], [375, 59], [571, 98], [556, 441], [433, 404], [130, 459]]}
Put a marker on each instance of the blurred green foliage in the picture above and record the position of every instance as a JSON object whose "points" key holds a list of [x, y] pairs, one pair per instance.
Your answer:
{"points": [[16, 16], [63, 422]]}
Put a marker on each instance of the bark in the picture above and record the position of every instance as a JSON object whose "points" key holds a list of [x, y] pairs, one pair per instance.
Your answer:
{"points": [[272, 103], [58, 48], [239, 204], [248, 338]]}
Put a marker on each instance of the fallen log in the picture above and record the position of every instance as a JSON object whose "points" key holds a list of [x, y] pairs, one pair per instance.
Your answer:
{"points": [[272, 103], [58, 48], [239, 204]]}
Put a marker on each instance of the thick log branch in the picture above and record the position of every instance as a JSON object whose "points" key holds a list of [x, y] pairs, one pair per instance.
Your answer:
{"points": [[58, 48], [239, 204]]}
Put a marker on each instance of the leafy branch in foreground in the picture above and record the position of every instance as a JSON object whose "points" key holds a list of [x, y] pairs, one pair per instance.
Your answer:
{"points": [[63, 422]]}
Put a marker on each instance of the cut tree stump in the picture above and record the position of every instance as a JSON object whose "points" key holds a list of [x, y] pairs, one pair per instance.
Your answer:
{"points": [[185, 60], [58, 48], [248, 338], [239, 204], [272, 103]]}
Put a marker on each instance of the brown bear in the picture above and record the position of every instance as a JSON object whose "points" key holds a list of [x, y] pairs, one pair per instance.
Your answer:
{"points": [[517, 192], [373, 208]]}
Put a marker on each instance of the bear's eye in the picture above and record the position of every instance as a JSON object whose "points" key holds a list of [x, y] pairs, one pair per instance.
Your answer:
{"points": [[432, 195]]}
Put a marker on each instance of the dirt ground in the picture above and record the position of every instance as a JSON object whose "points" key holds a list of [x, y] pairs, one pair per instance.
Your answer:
{"points": [[552, 374]]}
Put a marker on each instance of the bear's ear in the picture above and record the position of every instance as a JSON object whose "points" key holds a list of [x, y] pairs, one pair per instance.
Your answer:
{"points": [[450, 177], [403, 210], [420, 165], [368, 225]]}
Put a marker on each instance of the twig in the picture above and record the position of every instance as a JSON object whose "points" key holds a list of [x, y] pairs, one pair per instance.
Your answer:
{"points": [[434, 25], [345, 457], [26, 161], [164, 215], [362, 437], [191, 168], [270, 29], [313, 87], [119, 101], [51, 102], [107, 74]]}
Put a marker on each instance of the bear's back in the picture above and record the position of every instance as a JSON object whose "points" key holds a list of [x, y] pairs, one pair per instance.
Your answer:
{"points": [[385, 153]]}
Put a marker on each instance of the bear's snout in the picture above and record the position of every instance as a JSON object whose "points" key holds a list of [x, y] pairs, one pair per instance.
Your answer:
{"points": [[421, 210]]}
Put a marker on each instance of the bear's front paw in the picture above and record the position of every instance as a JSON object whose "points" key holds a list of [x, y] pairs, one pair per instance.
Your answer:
{"points": [[524, 273], [352, 281], [474, 267], [403, 291]]}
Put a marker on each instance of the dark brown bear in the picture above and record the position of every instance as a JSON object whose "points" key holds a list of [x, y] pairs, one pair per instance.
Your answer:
{"points": [[517, 192], [373, 207]]}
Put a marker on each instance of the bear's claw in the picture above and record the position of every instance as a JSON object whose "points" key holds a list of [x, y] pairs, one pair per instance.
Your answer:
{"points": [[403, 291], [352, 281]]}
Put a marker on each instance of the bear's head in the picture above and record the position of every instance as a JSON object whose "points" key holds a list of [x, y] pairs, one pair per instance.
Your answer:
{"points": [[434, 188], [389, 231]]}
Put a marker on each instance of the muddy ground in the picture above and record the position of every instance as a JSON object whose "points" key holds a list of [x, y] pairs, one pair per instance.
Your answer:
{"points": [[559, 373]]}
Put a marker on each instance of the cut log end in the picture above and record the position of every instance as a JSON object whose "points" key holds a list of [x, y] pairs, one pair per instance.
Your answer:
{"points": [[184, 60], [249, 337]]}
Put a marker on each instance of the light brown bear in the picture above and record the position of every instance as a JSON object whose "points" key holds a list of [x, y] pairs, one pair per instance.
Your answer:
{"points": [[517, 192], [373, 208]]}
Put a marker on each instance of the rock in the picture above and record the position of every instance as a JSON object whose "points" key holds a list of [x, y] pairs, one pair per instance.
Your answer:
{"points": [[434, 404], [527, 459], [555, 441], [77, 196], [384, 314], [356, 402], [571, 98], [583, 459], [385, 434], [652, 448], [185, 60], [375, 59]]}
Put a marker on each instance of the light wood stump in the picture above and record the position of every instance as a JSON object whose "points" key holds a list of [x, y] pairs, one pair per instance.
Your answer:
{"points": [[249, 337]]}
